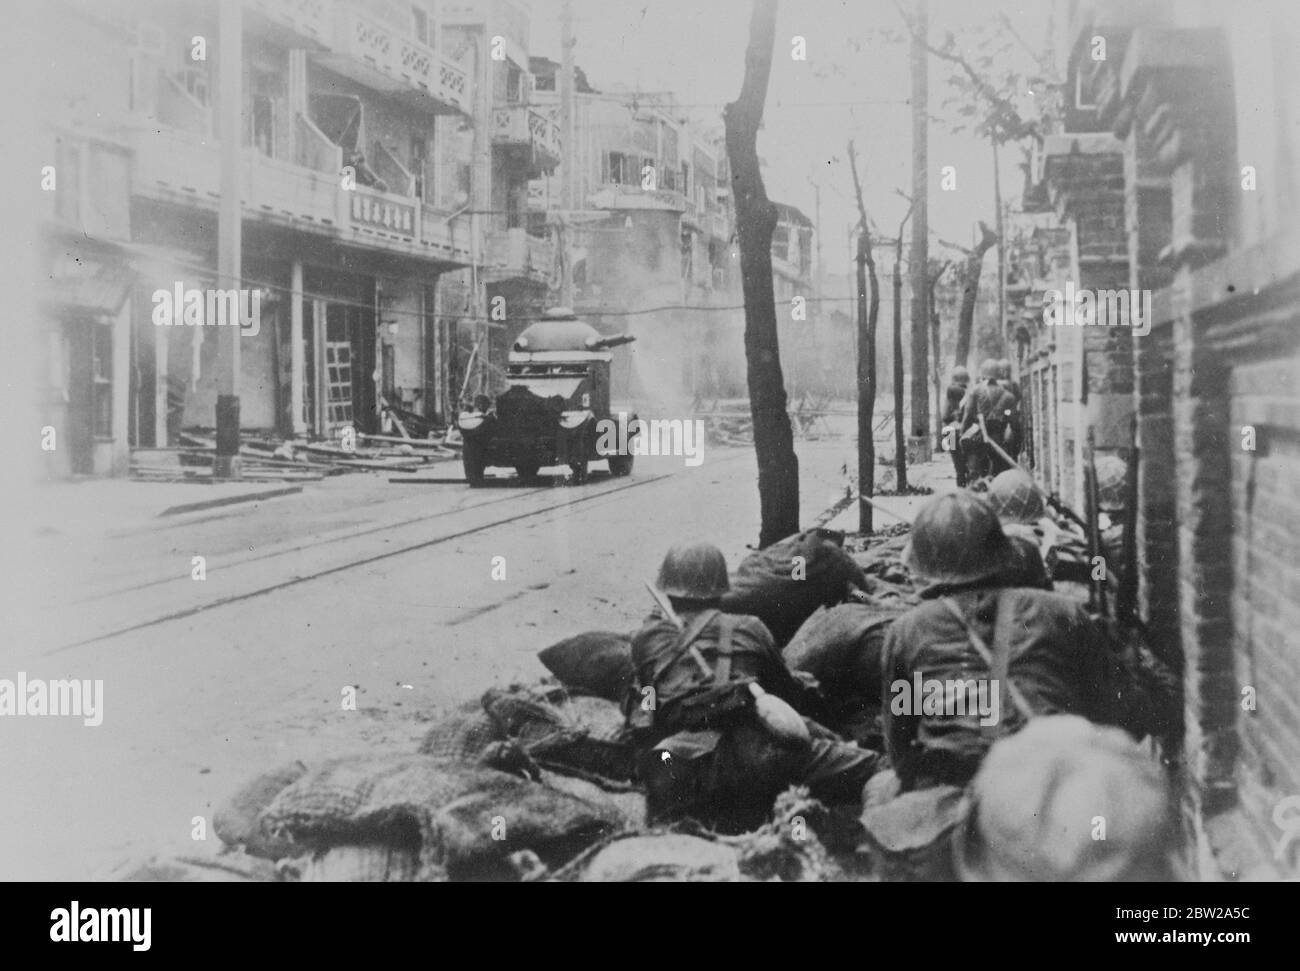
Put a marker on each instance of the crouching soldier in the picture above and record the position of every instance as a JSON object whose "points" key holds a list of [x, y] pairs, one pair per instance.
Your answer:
{"points": [[714, 710], [971, 664]]}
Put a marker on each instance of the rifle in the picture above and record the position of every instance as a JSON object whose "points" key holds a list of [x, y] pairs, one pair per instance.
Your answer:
{"points": [[1126, 599]]}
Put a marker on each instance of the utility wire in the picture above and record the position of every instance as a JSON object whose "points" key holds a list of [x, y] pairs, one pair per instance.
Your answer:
{"points": [[385, 312]]}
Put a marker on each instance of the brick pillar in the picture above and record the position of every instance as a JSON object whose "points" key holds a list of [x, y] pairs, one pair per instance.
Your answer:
{"points": [[1086, 175], [1204, 515], [1148, 216]]}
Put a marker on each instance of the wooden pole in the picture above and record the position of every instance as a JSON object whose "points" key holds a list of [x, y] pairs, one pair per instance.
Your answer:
{"points": [[229, 68]]}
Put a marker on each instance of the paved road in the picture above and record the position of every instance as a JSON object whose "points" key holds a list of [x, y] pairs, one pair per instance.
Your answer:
{"points": [[356, 582]]}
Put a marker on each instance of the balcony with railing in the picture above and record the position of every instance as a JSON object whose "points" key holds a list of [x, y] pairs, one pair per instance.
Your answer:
{"points": [[518, 126], [372, 53], [513, 254], [304, 193]]}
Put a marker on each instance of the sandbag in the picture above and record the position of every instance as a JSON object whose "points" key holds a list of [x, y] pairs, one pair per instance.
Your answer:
{"points": [[883, 560], [597, 662], [783, 591], [237, 823], [841, 645], [666, 857], [527, 713], [581, 732], [461, 820], [628, 803], [228, 868], [369, 863], [464, 734], [910, 836], [596, 740]]}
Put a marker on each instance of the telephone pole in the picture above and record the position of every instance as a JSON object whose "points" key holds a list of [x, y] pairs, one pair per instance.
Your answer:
{"points": [[567, 164], [230, 68]]}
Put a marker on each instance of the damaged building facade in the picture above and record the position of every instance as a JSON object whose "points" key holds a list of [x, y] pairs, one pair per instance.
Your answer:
{"points": [[1174, 172], [374, 151], [405, 213]]}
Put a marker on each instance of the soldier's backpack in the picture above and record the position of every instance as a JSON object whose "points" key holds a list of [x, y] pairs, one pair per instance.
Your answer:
{"points": [[723, 760]]}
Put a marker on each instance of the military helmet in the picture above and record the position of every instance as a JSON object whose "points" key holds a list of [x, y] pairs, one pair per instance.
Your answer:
{"points": [[1040, 795], [694, 571], [1004, 369], [1015, 497], [960, 375], [1111, 475], [988, 369], [956, 538]]}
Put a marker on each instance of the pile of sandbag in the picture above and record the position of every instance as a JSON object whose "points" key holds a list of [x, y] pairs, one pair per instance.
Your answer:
{"points": [[580, 734], [411, 817], [882, 560], [841, 648], [785, 583], [786, 849]]}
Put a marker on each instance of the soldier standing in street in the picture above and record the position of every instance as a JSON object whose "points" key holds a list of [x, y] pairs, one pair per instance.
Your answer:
{"points": [[955, 397], [1014, 436], [984, 419]]}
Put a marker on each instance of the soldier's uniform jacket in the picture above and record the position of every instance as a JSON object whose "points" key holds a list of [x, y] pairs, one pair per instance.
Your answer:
{"points": [[753, 655], [1059, 660], [994, 402]]}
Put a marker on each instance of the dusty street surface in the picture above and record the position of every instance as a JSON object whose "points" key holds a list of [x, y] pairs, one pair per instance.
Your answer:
{"points": [[355, 582]]}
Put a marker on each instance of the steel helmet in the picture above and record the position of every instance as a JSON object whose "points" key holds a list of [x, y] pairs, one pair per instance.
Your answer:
{"points": [[988, 369], [1015, 498], [1004, 369], [1040, 795], [694, 571], [960, 375], [1111, 475], [956, 538]]}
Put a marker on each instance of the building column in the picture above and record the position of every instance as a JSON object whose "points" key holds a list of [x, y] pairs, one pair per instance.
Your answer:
{"points": [[160, 386], [297, 356]]}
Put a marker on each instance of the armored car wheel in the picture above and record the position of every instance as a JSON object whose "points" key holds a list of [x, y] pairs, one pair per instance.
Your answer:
{"points": [[527, 471], [579, 470], [620, 465]]}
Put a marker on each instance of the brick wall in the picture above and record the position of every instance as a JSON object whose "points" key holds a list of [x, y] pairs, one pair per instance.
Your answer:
{"points": [[1265, 496]]}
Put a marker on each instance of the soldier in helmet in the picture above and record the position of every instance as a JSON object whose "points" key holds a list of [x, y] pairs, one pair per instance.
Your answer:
{"points": [[1036, 651], [1014, 435], [1112, 498], [1020, 508], [987, 411], [955, 397], [1035, 803], [703, 749]]}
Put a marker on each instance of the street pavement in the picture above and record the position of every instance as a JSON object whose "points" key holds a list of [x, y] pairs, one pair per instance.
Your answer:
{"points": [[354, 582]]}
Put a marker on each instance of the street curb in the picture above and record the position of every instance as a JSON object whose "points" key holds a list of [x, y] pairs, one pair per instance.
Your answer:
{"points": [[229, 501]]}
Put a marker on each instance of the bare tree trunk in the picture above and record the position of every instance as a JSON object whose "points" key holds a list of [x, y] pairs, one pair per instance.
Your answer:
{"points": [[970, 284], [1002, 255], [778, 466], [900, 440], [936, 270], [867, 318], [920, 236]]}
